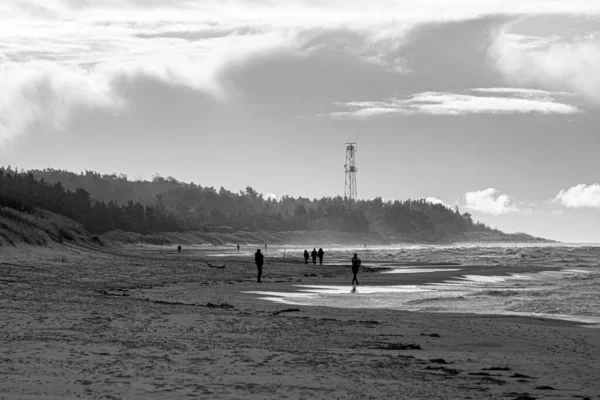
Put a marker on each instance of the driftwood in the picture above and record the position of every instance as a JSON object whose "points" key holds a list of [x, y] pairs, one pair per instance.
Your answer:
{"points": [[215, 266]]}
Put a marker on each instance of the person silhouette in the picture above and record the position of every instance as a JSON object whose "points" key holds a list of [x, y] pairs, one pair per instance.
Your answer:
{"points": [[179, 249], [355, 267], [238, 247], [305, 257], [320, 254], [259, 259], [314, 256]]}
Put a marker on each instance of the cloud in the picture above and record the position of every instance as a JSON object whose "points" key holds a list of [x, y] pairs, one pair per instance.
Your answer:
{"points": [[441, 103], [45, 95], [521, 92], [435, 200], [271, 196], [190, 43], [580, 196], [488, 201], [45, 80], [298, 11], [557, 63]]}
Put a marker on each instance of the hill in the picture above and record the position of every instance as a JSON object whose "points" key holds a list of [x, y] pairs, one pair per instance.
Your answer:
{"points": [[41, 228], [151, 209]]}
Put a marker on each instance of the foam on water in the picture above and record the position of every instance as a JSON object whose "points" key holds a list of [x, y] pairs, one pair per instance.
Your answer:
{"points": [[417, 270], [365, 289]]}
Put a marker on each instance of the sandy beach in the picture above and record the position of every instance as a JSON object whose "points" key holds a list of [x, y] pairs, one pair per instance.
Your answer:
{"points": [[151, 323]]}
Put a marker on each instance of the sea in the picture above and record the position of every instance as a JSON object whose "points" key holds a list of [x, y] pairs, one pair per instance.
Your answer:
{"points": [[559, 281]]}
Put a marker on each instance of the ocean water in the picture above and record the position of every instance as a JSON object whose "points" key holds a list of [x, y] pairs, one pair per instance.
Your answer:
{"points": [[572, 292]]}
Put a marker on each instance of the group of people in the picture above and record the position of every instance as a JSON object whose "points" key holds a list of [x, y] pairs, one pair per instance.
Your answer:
{"points": [[314, 256], [259, 260]]}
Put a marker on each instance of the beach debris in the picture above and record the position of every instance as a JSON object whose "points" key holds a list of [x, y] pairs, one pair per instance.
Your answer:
{"points": [[524, 396], [447, 370], [398, 346], [222, 305], [545, 387], [285, 311], [175, 303], [215, 266], [119, 292], [518, 375], [430, 334], [496, 381], [364, 322], [439, 361]]}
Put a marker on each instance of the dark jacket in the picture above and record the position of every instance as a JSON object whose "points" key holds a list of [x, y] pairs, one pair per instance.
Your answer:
{"points": [[355, 264], [314, 254], [320, 253], [259, 259]]}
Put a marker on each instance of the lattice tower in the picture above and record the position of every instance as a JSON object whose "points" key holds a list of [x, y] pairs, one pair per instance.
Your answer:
{"points": [[350, 193]]}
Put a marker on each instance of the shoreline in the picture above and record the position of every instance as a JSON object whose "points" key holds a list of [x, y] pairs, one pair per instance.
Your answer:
{"points": [[137, 325], [310, 238], [380, 280]]}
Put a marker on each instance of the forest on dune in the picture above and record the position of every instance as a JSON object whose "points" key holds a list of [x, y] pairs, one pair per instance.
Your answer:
{"points": [[104, 202]]}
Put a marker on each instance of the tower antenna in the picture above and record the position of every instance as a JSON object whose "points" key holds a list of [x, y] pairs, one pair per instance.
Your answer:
{"points": [[350, 192]]}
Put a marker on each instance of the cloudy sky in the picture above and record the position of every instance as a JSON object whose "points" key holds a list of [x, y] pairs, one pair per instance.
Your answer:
{"points": [[485, 104]]}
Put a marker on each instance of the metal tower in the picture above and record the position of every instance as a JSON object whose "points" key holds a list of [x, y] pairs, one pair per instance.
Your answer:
{"points": [[350, 167]]}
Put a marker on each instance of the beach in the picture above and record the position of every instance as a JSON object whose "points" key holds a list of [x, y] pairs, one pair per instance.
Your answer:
{"points": [[148, 322]]}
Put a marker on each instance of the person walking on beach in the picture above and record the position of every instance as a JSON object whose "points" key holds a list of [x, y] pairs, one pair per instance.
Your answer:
{"points": [[265, 246], [314, 256], [305, 257], [179, 249], [259, 259], [320, 254], [355, 267], [238, 246]]}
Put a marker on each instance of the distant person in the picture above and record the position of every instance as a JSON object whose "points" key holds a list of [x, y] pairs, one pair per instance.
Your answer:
{"points": [[238, 247], [259, 259], [314, 256], [179, 249], [265, 246], [305, 257], [320, 254], [355, 266]]}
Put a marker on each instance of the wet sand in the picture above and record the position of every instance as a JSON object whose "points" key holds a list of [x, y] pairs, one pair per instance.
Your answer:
{"points": [[157, 324]]}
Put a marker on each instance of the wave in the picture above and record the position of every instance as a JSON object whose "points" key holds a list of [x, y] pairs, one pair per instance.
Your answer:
{"points": [[433, 299]]}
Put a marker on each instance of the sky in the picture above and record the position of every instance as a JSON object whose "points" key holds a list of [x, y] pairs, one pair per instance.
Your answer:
{"points": [[488, 105]]}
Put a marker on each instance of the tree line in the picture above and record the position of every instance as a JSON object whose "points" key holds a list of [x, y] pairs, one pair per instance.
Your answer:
{"points": [[104, 202], [21, 191]]}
